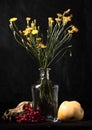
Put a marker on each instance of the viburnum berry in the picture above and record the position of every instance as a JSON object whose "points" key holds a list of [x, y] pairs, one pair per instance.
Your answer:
{"points": [[28, 115]]}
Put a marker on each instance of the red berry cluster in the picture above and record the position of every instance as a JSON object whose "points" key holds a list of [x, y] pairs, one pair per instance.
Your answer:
{"points": [[29, 115]]}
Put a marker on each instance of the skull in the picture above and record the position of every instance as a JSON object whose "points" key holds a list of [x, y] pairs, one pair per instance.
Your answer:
{"points": [[8, 114]]}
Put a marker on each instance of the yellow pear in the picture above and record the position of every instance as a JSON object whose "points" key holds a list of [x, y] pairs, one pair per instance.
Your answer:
{"points": [[70, 110]]}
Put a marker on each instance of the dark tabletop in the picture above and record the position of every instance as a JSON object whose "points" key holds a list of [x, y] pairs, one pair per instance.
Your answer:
{"points": [[60, 125]]}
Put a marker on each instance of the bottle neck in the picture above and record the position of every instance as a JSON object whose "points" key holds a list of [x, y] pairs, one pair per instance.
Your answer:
{"points": [[44, 73]]}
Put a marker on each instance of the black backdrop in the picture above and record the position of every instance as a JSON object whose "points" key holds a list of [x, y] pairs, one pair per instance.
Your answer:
{"points": [[18, 71]]}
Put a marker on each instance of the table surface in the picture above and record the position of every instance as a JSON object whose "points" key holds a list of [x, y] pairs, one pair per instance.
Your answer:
{"points": [[60, 124]]}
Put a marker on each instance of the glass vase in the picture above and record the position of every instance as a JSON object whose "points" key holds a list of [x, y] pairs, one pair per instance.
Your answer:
{"points": [[45, 96]]}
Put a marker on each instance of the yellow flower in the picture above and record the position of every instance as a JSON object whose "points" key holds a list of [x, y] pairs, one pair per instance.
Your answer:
{"points": [[26, 31], [20, 31], [28, 28], [29, 39], [35, 31], [59, 15], [28, 18], [50, 21], [66, 19], [41, 45], [74, 29], [70, 31], [58, 19], [13, 19], [38, 39], [50, 18], [33, 24]]}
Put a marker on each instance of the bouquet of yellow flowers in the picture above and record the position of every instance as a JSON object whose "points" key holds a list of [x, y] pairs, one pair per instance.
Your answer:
{"points": [[59, 33]]}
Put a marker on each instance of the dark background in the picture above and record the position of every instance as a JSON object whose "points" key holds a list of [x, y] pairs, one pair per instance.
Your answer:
{"points": [[17, 69]]}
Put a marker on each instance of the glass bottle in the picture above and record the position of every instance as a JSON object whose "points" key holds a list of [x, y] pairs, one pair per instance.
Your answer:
{"points": [[45, 95]]}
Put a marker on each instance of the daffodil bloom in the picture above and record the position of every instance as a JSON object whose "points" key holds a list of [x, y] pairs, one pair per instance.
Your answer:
{"points": [[13, 19], [74, 29], [51, 21], [20, 31], [38, 39], [28, 38], [58, 19], [50, 18], [70, 31], [29, 28], [41, 45], [66, 19], [28, 18], [26, 32], [59, 15], [33, 24], [34, 32]]}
